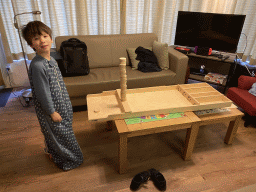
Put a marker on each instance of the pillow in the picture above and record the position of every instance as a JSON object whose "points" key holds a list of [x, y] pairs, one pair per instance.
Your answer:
{"points": [[161, 52], [253, 89], [133, 55]]}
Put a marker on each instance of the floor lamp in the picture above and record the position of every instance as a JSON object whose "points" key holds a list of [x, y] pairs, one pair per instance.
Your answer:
{"points": [[26, 93]]}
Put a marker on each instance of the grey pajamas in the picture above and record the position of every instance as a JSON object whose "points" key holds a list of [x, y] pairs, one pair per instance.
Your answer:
{"points": [[50, 94]]}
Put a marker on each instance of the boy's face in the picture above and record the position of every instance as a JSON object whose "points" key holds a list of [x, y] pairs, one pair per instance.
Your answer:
{"points": [[42, 43]]}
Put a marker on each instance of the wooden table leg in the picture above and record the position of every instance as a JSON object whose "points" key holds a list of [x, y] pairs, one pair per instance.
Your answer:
{"points": [[232, 130], [110, 125], [190, 141], [122, 153]]}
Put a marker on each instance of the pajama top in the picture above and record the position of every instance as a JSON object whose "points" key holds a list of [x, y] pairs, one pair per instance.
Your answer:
{"points": [[49, 95]]}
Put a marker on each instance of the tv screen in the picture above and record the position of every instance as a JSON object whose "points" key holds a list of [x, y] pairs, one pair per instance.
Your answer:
{"points": [[220, 32]]}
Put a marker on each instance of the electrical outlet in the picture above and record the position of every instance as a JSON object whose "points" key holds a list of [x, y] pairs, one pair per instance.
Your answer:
{"points": [[8, 69]]}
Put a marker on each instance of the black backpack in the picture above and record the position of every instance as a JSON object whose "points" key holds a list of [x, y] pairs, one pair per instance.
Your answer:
{"points": [[75, 59]]}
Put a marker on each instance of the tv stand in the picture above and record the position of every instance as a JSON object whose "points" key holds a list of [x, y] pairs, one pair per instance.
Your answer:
{"points": [[222, 65], [196, 71]]}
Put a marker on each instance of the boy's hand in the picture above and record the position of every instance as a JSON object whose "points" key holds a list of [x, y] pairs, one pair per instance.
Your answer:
{"points": [[56, 117]]}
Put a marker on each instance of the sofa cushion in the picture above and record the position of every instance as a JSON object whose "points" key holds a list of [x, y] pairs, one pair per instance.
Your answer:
{"points": [[105, 50], [243, 99], [105, 79], [120, 43], [161, 52], [138, 79], [253, 90], [94, 82], [246, 82], [133, 55], [98, 49]]}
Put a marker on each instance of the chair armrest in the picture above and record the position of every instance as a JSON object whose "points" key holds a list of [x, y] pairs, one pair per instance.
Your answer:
{"points": [[178, 63], [246, 82]]}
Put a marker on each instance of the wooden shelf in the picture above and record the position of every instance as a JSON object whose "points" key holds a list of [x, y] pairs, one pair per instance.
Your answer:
{"points": [[201, 78], [231, 58]]}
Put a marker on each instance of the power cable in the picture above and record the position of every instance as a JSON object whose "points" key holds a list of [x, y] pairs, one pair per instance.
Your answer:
{"points": [[251, 74]]}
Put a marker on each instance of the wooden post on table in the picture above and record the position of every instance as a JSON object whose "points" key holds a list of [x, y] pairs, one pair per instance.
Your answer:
{"points": [[123, 78]]}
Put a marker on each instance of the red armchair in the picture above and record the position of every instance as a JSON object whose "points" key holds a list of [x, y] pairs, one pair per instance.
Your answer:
{"points": [[241, 97]]}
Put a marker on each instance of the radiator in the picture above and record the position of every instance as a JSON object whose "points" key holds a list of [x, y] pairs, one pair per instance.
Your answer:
{"points": [[17, 75]]}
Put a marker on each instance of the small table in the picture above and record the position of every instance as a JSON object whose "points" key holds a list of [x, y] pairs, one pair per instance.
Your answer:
{"points": [[233, 116], [191, 122]]}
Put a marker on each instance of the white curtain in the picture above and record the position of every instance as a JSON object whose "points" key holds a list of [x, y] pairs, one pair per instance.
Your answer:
{"points": [[160, 17], [64, 17], [248, 8], [94, 17]]}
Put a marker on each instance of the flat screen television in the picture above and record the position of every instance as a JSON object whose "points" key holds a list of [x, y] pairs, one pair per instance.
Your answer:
{"points": [[220, 32]]}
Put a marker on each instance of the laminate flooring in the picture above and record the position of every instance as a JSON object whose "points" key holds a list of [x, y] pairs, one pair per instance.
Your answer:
{"points": [[214, 166]]}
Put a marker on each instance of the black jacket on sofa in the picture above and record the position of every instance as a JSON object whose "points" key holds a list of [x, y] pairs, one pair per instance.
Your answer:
{"points": [[148, 61]]}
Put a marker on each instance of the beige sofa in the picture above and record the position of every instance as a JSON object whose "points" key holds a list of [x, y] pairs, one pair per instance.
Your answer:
{"points": [[104, 52]]}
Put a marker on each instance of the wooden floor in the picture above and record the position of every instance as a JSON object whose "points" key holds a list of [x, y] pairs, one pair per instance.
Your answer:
{"points": [[214, 166]]}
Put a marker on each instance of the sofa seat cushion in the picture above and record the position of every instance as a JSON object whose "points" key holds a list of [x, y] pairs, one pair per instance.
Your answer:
{"points": [[105, 79], [243, 99], [138, 79], [246, 82]]}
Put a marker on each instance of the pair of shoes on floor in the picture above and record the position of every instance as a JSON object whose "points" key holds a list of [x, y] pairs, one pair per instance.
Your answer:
{"points": [[157, 178]]}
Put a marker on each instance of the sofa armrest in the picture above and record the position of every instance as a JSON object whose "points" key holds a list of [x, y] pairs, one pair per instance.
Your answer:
{"points": [[178, 63], [246, 82]]}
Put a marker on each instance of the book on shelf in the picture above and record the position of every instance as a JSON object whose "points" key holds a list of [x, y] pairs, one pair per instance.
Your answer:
{"points": [[215, 77]]}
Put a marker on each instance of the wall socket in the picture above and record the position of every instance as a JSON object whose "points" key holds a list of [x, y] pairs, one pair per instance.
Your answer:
{"points": [[8, 68]]}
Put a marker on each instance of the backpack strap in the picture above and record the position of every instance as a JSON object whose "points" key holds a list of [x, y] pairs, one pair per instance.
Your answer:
{"points": [[64, 56]]}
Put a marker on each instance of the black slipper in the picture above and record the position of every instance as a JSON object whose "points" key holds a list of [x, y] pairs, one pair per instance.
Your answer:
{"points": [[139, 179], [158, 179]]}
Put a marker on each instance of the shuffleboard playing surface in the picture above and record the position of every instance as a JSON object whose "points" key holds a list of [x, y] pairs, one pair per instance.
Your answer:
{"points": [[154, 100]]}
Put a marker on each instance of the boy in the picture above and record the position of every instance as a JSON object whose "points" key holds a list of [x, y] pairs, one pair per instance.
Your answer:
{"points": [[52, 103]]}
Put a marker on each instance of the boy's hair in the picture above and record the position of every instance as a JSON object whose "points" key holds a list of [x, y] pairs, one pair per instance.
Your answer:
{"points": [[34, 28]]}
